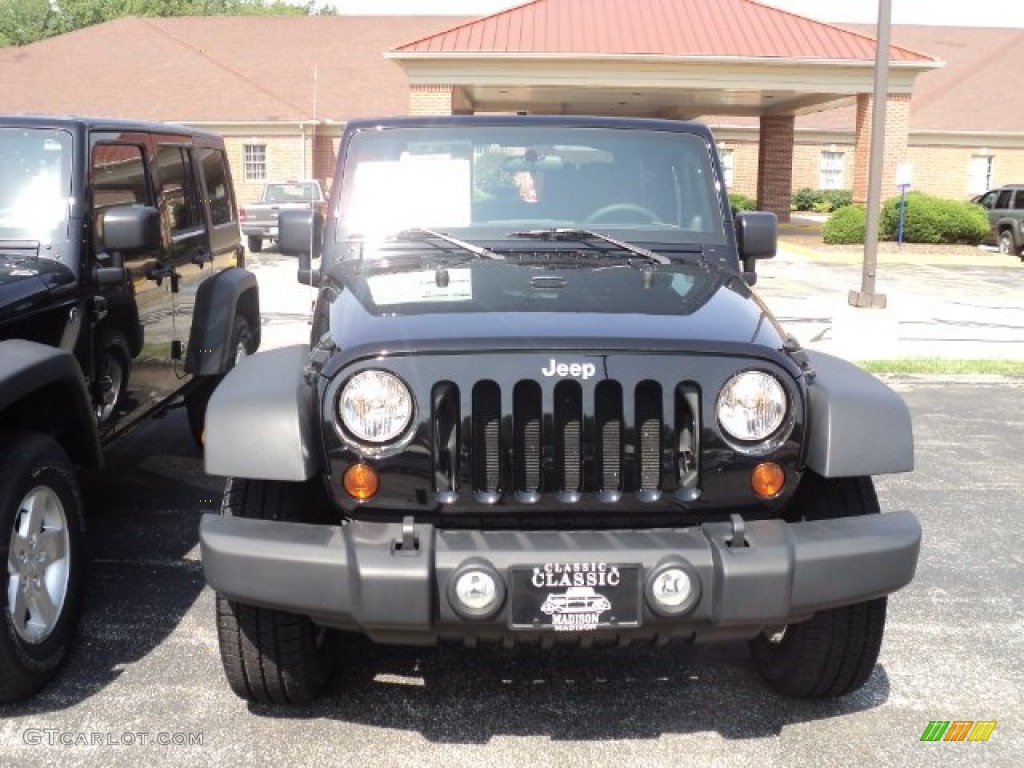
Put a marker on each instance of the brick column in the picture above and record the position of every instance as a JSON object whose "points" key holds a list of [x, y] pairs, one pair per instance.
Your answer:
{"points": [[775, 165], [430, 99], [897, 137]]}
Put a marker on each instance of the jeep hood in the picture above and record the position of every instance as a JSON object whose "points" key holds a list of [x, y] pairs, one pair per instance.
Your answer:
{"points": [[495, 305], [26, 282]]}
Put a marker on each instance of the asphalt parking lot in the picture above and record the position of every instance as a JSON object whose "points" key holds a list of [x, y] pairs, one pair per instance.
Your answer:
{"points": [[144, 686]]}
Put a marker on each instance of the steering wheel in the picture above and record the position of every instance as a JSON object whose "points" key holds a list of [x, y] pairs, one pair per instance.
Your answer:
{"points": [[610, 214]]}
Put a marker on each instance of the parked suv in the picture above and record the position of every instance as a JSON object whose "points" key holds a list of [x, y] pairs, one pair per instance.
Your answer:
{"points": [[1005, 209], [538, 381], [121, 294]]}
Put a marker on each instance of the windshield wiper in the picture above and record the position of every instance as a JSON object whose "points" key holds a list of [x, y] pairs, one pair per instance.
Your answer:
{"points": [[418, 233], [586, 234]]}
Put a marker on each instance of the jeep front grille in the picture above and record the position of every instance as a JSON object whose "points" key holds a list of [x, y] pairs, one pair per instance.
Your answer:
{"points": [[564, 441]]}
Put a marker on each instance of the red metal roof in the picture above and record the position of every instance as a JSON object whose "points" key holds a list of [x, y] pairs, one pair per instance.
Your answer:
{"points": [[712, 28]]}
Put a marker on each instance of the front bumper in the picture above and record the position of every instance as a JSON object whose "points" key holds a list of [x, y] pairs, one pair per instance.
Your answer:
{"points": [[362, 577]]}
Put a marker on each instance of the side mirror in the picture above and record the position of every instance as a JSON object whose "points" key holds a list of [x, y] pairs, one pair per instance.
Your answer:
{"points": [[130, 229], [300, 232], [757, 237]]}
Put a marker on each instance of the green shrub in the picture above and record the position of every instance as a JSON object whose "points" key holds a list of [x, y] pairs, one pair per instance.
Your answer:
{"points": [[837, 198], [805, 198], [845, 226], [820, 200], [741, 202], [929, 219]]}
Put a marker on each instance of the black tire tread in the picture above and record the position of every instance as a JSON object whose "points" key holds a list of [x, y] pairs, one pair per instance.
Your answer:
{"points": [[834, 652], [270, 656]]}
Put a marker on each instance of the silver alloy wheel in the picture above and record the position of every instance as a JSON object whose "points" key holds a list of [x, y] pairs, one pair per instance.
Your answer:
{"points": [[1006, 243], [38, 565]]}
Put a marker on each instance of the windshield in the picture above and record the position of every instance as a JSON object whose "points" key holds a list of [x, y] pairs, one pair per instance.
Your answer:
{"points": [[35, 184], [292, 192], [486, 181]]}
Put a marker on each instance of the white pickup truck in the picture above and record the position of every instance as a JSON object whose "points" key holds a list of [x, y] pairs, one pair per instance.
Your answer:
{"points": [[259, 220]]}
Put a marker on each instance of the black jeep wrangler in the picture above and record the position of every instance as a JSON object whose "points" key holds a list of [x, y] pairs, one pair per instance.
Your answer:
{"points": [[120, 296], [541, 404]]}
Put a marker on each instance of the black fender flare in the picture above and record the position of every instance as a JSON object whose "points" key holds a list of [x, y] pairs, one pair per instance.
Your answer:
{"points": [[49, 383], [218, 299], [857, 425], [261, 420]]}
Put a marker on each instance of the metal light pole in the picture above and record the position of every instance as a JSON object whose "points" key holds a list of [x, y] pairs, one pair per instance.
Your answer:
{"points": [[866, 296]]}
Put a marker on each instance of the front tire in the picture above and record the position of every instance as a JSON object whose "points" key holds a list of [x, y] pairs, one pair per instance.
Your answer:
{"points": [[271, 656], [42, 544], [1008, 244], [242, 345], [834, 652]]}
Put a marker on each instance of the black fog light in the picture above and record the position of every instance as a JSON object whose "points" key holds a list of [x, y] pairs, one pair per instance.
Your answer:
{"points": [[672, 588], [476, 590]]}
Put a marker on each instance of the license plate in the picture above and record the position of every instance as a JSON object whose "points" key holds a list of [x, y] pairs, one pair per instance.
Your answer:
{"points": [[574, 597]]}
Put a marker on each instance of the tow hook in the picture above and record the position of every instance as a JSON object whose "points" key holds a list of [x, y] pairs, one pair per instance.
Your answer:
{"points": [[408, 545], [738, 540]]}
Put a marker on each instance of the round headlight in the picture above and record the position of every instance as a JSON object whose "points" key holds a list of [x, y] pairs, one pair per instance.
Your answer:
{"points": [[375, 406], [752, 405]]}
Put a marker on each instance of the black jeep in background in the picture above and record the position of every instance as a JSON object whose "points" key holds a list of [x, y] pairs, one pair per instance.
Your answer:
{"points": [[541, 404], [121, 294]]}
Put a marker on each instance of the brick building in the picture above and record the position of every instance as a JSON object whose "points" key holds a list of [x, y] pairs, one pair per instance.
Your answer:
{"points": [[789, 98]]}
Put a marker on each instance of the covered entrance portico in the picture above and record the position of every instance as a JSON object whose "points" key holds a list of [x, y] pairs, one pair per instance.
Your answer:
{"points": [[682, 59]]}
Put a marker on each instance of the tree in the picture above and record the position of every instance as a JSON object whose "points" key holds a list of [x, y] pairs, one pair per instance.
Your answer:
{"points": [[26, 21]]}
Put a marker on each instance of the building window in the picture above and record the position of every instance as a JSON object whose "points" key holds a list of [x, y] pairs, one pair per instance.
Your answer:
{"points": [[255, 163], [830, 174], [725, 155], [979, 174]]}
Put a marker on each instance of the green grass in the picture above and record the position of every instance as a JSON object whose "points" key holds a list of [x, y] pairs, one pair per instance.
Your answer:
{"points": [[941, 366]]}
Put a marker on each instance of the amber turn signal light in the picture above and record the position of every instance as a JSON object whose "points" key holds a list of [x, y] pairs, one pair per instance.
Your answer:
{"points": [[767, 479], [361, 482]]}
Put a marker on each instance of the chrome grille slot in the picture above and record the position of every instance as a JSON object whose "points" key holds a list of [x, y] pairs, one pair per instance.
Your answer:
{"points": [[526, 421], [486, 437], [648, 425], [569, 436], [444, 416], [608, 426]]}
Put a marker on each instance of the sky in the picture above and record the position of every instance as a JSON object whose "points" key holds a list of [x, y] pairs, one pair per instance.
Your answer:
{"points": [[972, 13]]}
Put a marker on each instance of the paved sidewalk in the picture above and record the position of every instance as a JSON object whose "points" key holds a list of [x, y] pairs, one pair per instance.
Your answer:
{"points": [[937, 307]]}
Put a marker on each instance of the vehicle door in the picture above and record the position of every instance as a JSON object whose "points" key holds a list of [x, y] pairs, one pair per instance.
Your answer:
{"points": [[183, 218], [139, 313]]}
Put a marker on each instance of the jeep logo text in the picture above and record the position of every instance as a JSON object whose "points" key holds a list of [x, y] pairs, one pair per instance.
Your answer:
{"points": [[576, 370]]}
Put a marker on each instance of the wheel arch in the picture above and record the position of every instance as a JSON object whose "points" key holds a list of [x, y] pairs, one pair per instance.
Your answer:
{"points": [[857, 425], [218, 299], [42, 389], [260, 422]]}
